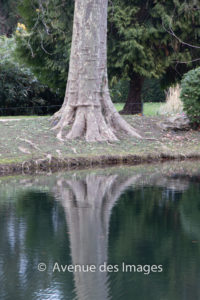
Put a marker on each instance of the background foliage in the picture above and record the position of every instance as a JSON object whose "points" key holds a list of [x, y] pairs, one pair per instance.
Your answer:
{"points": [[19, 87], [44, 44], [139, 40], [151, 91]]}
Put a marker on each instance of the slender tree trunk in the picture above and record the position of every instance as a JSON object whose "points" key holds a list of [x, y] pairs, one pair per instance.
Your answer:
{"points": [[134, 102], [87, 105]]}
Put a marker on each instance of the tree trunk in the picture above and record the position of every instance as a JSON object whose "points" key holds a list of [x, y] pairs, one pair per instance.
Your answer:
{"points": [[134, 102], [87, 105], [2, 20]]}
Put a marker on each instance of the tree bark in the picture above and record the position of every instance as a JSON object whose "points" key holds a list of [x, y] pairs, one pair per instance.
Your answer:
{"points": [[87, 105], [3, 30], [133, 104]]}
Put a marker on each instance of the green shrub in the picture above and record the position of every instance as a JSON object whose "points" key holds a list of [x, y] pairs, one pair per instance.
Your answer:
{"points": [[20, 91], [190, 95], [22, 94]]}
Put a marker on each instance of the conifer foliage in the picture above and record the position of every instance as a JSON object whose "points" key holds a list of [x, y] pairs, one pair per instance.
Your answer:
{"points": [[45, 43], [149, 39]]}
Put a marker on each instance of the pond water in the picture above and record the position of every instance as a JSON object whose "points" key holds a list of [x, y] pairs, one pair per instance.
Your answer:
{"points": [[100, 235]]}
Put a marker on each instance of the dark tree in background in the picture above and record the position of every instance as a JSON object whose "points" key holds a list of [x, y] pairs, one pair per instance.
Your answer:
{"points": [[8, 16], [145, 41]]}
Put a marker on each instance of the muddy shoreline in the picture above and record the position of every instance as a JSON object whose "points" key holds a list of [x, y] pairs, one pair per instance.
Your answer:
{"points": [[55, 164]]}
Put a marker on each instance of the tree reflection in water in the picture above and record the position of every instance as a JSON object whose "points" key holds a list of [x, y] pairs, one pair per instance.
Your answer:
{"points": [[88, 205]]}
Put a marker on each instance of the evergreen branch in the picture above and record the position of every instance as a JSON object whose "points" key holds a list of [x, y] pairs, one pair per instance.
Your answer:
{"points": [[42, 44], [43, 14], [182, 42], [187, 62], [171, 32]]}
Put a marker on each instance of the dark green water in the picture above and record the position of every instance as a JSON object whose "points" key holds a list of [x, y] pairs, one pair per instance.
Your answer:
{"points": [[100, 219]]}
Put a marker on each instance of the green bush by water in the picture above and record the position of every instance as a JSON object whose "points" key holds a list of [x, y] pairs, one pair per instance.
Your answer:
{"points": [[190, 95]]}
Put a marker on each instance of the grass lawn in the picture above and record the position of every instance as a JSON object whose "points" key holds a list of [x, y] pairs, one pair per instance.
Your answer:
{"points": [[150, 109], [25, 139]]}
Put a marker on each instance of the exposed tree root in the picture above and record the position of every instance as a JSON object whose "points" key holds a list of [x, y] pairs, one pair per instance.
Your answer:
{"points": [[90, 123], [33, 145]]}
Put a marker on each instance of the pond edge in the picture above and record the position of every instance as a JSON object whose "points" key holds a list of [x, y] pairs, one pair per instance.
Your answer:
{"points": [[54, 164]]}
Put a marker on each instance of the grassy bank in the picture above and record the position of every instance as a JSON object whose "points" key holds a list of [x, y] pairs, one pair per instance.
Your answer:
{"points": [[29, 143]]}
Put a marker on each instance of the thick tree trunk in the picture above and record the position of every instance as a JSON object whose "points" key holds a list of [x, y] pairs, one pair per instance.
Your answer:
{"points": [[87, 105], [134, 102]]}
